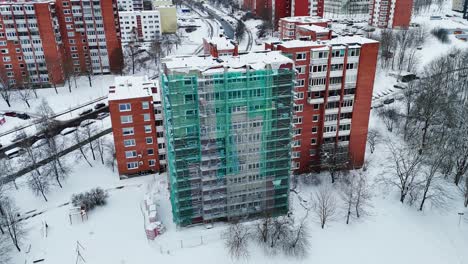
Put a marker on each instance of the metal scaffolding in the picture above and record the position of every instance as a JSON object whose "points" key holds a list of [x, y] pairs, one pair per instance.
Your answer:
{"points": [[228, 138]]}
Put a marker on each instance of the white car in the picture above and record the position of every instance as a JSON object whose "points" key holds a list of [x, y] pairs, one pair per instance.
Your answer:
{"points": [[68, 130], [87, 122], [102, 115]]}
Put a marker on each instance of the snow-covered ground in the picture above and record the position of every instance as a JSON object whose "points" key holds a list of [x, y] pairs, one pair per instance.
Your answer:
{"points": [[114, 233]]}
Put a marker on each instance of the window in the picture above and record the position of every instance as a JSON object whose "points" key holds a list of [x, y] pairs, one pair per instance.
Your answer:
{"points": [[148, 129], [145, 105], [314, 130], [189, 98], [338, 53], [130, 154], [301, 56], [347, 103], [300, 95], [353, 52], [316, 106], [152, 163], [320, 55], [129, 142], [313, 141], [315, 118], [297, 120], [312, 152], [329, 129], [300, 83], [150, 151], [300, 69], [295, 154], [127, 131], [298, 108], [132, 165], [146, 117], [297, 131], [126, 119], [296, 143], [125, 107], [149, 140]]}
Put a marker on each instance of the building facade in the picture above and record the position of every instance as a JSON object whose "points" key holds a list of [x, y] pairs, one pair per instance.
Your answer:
{"points": [[288, 26], [91, 35], [135, 109], [220, 46], [228, 135], [42, 42], [277, 9], [140, 26], [332, 101], [346, 7], [391, 13], [31, 46]]}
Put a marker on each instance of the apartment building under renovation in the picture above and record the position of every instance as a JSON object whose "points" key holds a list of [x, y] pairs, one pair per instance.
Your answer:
{"points": [[228, 131]]}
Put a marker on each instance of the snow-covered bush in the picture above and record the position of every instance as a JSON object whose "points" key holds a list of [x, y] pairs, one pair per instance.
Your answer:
{"points": [[94, 197], [441, 34]]}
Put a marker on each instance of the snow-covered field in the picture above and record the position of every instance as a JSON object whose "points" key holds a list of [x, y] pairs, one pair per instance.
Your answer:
{"points": [[392, 233], [114, 233]]}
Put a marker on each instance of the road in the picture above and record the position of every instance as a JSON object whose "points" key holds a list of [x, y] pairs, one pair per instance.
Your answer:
{"points": [[23, 171], [59, 126], [35, 122]]}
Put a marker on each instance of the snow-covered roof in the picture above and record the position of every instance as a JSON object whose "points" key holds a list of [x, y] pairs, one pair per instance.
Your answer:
{"points": [[128, 87], [305, 19], [255, 60], [315, 28], [352, 41], [221, 43]]}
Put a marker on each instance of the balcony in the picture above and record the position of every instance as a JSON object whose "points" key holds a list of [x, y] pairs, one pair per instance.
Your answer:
{"points": [[318, 74], [344, 133], [353, 59], [348, 97], [329, 134], [336, 86], [337, 60], [345, 121], [348, 109], [338, 73], [317, 88], [160, 129], [315, 100], [331, 111], [319, 61], [334, 98]]}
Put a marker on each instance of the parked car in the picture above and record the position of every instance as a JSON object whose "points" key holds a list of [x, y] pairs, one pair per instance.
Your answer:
{"points": [[39, 143], [99, 105], [19, 137], [400, 86], [102, 115], [14, 152], [389, 101], [68, 130], [23, 116], [85, 112], [87, 122], [11, 114]]}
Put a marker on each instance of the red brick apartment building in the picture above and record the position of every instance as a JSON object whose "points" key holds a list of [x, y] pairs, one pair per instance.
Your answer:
{"points": [[304, 26], [333, 92], [277, 9], [136, 116], [220, 46], [42, 40], [390, 13]]}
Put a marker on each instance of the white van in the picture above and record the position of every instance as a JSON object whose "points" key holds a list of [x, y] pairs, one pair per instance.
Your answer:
{"points": [[14, 152], [68, 130]]}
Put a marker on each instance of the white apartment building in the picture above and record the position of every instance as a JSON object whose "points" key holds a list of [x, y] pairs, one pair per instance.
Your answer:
{"points": [[140, 25]]}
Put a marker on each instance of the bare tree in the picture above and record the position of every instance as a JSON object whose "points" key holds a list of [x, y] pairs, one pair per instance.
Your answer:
{"points": [[389, 116], [46, 123], [6, 89], [324, 205], [25, 94], [432, 183], [236, 239], [281, 232], [83, 148], [88, 132], [131, 52], [464, 190], [39, 183], [57, 167], [111, 160], [101, 148], [30, 158], [12, 223], [298, 244], [4, 249], [406, 162], [363, 194], [348, 196], [240, 31], [373, 138]]}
